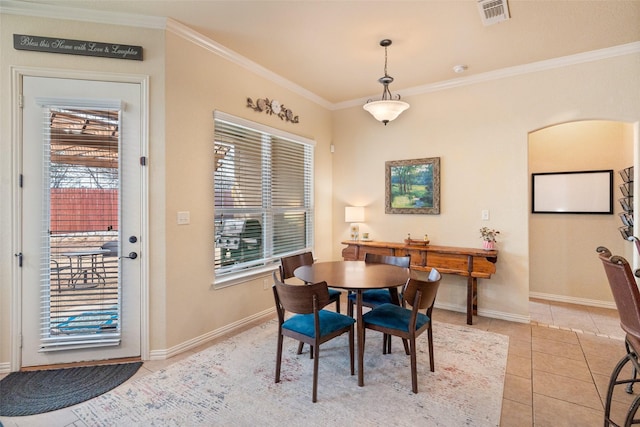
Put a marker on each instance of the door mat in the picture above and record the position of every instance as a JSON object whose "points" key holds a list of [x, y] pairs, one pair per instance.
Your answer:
{"points": [[35, 392]]}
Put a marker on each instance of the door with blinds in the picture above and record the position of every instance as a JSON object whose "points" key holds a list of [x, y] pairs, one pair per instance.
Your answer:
{"points": [[80, 220]]}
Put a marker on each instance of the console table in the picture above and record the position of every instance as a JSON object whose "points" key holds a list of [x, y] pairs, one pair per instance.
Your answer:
{"points": [[471, 263]]}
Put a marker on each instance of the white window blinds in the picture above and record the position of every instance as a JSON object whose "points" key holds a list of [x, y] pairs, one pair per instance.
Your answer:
{"points": [[263, 194], [80, 291]]}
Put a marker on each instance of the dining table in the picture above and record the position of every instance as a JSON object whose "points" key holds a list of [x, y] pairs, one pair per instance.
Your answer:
{"points": [[356, 276]]}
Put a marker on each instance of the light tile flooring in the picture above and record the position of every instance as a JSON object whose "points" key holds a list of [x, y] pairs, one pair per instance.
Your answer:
{"points": [[557, 370]]}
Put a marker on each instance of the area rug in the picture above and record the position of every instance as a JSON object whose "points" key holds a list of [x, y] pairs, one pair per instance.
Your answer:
{"points": [[35, 392], [232, 384]]}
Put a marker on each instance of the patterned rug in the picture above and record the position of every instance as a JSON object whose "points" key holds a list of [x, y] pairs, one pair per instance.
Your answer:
{"points": [[232, 384]]}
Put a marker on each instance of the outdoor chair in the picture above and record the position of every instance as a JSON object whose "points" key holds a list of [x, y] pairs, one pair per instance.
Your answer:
{"points": [[109, 261], [301, 317], [391, 319], [55, 271], [289, 264], [627, 298]]}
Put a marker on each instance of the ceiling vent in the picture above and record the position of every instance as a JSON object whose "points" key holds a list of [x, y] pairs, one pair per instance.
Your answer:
{"points": [[493, 11]]}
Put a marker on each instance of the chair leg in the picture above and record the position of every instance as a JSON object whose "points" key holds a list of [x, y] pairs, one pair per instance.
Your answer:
{"points": [[279, 357], [315, 373], [613, 381], [430, 339], [338, 305], [349, 307], [351, 350], [300, 346], [414, 363]]}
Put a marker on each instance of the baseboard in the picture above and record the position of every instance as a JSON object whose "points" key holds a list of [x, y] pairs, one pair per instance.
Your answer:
{"points": [[5, 368], [210, 336], [573, 300], [486, 313]]}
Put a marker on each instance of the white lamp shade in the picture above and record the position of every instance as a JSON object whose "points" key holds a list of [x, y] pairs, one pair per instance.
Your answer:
{"points": [[354, 214], [385, 111]]}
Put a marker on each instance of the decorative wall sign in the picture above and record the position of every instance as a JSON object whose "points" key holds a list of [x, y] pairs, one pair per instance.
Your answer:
{"points": [[412, 186], [77, 47], [272, 107]]}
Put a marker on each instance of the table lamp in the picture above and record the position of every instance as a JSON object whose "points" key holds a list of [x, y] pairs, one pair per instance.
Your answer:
{"points": [[354, 215]]}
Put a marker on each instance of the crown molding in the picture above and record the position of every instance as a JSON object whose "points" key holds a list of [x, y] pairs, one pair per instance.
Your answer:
{"points": [[74, 14], [181, 30], [534, 67], [193, 36]]}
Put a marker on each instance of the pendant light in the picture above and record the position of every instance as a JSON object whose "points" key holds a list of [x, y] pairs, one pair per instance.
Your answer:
{"points": [[387, 109]]}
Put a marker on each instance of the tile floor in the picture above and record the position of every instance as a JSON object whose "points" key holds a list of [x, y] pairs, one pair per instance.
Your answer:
{"points": [[557, 370]]}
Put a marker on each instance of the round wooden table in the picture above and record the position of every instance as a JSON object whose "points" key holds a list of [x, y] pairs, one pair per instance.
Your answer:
{"points": [[356, 276]]}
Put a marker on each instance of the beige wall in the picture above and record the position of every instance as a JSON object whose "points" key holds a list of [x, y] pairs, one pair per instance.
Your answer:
{"points": [[480, 132], [152, 66], [562, 247], [199, 82]]}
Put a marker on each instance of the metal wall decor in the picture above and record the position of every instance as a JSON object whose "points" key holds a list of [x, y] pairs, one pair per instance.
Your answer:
{"points": [[271, 107]]}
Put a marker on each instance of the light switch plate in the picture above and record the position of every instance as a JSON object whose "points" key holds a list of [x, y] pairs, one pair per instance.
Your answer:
{"points": [[485, 214], [184, 218]]}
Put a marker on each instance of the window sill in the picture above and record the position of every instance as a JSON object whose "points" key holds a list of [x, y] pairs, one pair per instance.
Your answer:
{"points": [[243, 277]]}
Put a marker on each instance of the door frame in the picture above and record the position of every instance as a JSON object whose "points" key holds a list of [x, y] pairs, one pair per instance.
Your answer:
{"points": [[15, 314]]}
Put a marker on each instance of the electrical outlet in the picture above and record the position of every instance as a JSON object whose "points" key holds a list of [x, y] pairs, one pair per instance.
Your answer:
{"points": [[485, 214]]}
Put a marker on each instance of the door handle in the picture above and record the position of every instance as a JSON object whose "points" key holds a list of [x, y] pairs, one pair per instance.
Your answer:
{"points": [[132, 255]]}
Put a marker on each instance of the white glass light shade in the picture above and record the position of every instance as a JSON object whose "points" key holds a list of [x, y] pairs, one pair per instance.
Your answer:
{"points": [[354, 214], [386, 110]]}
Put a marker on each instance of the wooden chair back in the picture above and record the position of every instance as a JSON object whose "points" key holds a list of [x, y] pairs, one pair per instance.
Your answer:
{"points": [[427, 290], [624, 289], [300, 299], [400, 261], [290, 263]]}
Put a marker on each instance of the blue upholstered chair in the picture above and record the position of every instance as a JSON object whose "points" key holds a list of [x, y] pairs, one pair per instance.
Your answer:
{"points": [[289, 264], [391, 319], [309, 323], [376, 297]]}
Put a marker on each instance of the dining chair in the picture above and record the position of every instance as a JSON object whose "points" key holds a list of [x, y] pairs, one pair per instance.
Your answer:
{"points": [[627, 298], [391, 319], [301, 316], [289, 264], [373, 298]]}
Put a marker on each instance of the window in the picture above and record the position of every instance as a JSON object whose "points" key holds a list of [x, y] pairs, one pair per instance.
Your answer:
{"points": [[263, 184]]}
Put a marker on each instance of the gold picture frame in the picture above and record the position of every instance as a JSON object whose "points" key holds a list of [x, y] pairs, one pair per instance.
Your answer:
{"points": [[412, 186]]}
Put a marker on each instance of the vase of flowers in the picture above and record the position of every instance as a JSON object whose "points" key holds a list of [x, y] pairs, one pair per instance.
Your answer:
{"points": [[488, 237]]}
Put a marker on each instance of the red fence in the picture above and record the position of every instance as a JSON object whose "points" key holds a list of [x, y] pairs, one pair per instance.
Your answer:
{"points": [[83, 209]]}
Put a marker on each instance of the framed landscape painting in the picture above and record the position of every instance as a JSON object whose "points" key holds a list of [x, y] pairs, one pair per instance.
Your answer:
{"points": [[412, 186]]}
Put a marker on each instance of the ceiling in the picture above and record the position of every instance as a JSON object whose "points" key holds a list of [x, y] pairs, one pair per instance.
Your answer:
{"points": [[331, 48]]}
